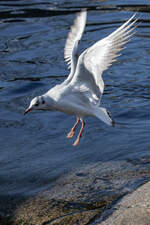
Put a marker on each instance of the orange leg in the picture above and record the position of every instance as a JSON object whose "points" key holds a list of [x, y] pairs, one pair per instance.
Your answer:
{"points": [[79, 135], [71, 133]]}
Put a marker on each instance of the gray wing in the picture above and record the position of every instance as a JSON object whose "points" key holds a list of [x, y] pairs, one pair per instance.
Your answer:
{"points": [[74, 36], [93, 61]]}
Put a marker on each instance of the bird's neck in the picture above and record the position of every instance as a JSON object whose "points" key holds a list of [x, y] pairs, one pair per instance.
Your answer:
{"points": [[50, 103]]}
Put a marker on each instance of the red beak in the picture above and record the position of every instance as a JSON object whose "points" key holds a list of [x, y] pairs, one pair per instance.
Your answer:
{"points": [[27, 110]]}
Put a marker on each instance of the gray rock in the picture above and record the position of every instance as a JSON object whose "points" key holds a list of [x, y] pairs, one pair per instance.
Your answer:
{"points": [[79, 197], [133, 209]]}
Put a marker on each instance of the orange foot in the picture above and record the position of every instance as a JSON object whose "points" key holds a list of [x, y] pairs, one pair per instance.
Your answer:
{"points": [[76, 142], [71, 134]]}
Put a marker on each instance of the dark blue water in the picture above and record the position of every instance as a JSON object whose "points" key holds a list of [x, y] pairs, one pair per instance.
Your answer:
{"points": [[34, 150]]}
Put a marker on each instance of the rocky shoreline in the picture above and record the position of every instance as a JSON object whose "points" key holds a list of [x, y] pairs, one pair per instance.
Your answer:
{"points": [[95, 194], [132, 209]]}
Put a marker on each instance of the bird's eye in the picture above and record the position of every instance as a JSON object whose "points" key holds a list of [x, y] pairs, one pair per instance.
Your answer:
{"points": [[43, 102]]}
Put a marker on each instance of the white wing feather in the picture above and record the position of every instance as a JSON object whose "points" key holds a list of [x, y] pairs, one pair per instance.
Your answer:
{"points": [[94, 60], [74, 36]]}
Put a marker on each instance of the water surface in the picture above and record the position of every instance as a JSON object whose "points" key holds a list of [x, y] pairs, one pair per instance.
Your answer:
{"points": [[34, 150]]}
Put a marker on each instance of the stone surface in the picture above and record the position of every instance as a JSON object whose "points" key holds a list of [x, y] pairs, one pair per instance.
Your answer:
{"points": [[42, 211], [79, 197], [133, 209]]}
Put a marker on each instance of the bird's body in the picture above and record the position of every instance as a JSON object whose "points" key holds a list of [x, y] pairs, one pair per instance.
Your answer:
{"points": [[69, 100], [81, 92]]}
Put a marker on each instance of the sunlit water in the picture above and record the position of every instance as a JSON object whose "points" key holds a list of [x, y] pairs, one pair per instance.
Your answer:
{"points": [[34, 150]]}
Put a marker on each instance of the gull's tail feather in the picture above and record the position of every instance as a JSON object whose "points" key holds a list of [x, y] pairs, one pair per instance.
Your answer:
{"points": [[104, 115]]}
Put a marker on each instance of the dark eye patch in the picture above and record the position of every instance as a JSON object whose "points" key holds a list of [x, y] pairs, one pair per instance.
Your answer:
{"points": [[43, 101]]}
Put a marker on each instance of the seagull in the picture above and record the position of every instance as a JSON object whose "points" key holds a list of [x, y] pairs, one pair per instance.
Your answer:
{"points": [[80, 94]]}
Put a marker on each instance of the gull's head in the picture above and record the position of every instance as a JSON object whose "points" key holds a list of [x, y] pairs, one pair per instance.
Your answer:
{"points": [[36, 103]]}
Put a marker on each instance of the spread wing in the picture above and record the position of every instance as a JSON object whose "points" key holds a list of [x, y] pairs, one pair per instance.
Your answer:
{"points": [[74, 36], [94, 60]]}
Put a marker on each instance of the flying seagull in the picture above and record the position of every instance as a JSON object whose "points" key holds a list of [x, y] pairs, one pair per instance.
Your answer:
{"points": [[81, 92]]}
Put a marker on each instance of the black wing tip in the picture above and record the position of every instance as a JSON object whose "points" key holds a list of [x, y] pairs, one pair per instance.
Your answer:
{"points": [[112, 121]]}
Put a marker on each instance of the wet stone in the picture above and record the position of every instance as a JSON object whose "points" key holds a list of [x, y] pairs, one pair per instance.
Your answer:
{"points": [[42, 211], [79, 197]]}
